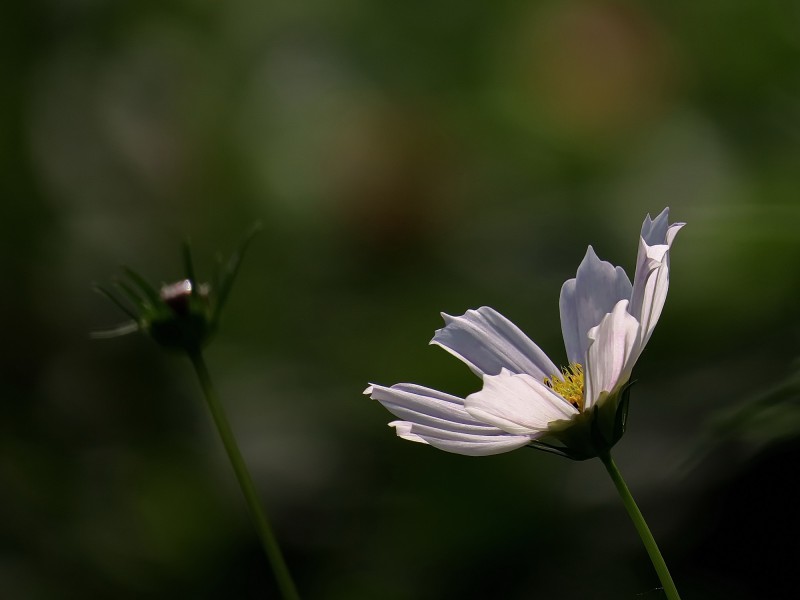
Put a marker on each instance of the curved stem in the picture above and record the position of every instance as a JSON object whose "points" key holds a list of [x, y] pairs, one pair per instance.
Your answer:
{"points": [[268, 540], [641, 527]]}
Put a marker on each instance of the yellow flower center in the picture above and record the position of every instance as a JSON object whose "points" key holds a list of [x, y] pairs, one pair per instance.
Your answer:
{"points": [[568, 384]]}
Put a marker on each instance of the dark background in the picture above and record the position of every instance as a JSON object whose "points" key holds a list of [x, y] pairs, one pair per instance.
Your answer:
{"points": [[405, 158]]}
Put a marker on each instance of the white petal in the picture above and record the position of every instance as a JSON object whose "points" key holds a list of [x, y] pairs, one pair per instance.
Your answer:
{"points": [[439, 419], [658, 230], [488, 342], [428, 407], [518, 404], [587, 298], [612, 353], [651, 281], [459, 443]]}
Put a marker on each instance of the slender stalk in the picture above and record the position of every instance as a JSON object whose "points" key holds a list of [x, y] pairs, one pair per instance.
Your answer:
{"points": [[641, 527], [268, 540]]}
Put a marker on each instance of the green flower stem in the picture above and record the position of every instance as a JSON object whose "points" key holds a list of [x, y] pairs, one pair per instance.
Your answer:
{"points": [[641, 527], [268, 540]]}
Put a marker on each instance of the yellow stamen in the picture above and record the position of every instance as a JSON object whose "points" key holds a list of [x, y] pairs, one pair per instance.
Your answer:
{"points": [[568, 384]]}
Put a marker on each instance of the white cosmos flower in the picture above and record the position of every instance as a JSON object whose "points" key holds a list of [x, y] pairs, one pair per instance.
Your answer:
{"points": [[526, 399]]}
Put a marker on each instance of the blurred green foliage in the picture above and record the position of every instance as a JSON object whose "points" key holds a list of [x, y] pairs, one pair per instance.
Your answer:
{"points": [[405, 159]]}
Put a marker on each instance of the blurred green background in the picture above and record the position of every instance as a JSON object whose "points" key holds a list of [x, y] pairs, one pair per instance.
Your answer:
{"points": [[405, 158]]}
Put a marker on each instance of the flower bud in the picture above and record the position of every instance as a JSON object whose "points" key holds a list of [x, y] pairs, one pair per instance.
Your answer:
{"points": [[181, 316]]}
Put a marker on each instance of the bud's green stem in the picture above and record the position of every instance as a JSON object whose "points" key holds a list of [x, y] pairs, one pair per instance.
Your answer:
{"points": [[268, 540]]}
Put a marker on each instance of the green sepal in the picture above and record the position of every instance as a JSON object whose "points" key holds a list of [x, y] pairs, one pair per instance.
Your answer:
{"points": [[225, 276], [190, 331], [590, 433], [135, 297], [148, 290], [621, 420], [559, 451], [118, 331], [108, 294]]}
